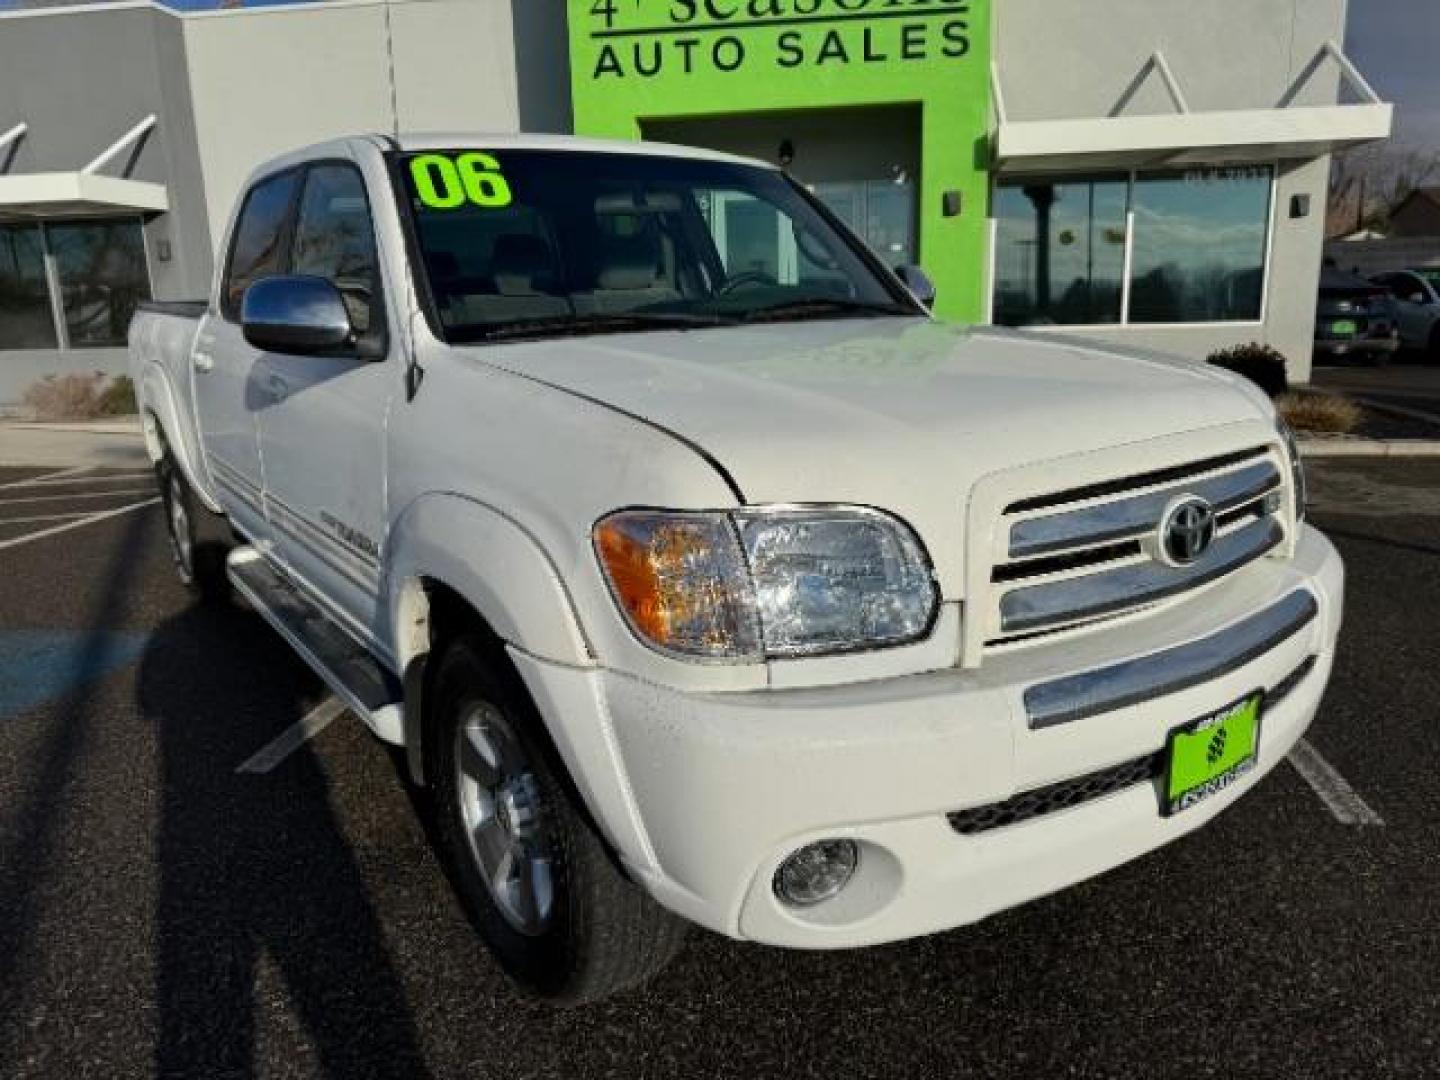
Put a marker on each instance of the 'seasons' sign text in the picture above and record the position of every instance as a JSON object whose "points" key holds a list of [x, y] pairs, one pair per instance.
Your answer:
{"points": [[642, 39]]}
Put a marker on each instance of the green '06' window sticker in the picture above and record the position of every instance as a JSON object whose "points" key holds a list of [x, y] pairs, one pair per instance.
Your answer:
{"points": [[445, 183]]}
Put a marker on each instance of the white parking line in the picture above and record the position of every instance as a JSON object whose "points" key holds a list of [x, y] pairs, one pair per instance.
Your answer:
{"points": [[1334, 790], [35, 520], [47, 476], [87, 520], [76, 495], [293, 737], [63, 481]]}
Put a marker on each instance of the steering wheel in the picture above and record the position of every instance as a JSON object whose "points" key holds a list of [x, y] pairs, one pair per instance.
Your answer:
{"points": [[747, 278]]}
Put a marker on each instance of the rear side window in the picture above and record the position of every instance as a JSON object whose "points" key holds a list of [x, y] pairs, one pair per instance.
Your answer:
{"points": [[335, 240], [258, 250]]}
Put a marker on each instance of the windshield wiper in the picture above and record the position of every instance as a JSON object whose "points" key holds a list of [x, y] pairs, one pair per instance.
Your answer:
{"points": [[617, 322], [825, 307]]}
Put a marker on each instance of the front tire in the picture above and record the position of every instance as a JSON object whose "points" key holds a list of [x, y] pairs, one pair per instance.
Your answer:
{"points": [[537, 880]]}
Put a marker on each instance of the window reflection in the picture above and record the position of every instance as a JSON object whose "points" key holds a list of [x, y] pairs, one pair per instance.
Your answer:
{"points": [[1197, 248], [101, 265], [1200, 246], [1060, 252], [26, 321], [335, 240]]}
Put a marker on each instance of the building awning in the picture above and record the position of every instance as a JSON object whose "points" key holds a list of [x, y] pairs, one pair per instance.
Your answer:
{"points": [[1185, 138], [75, 194], [85, 191]]}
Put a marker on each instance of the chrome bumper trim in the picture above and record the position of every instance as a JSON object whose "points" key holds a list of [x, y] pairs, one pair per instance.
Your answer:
{"points": [[1077, 697]]}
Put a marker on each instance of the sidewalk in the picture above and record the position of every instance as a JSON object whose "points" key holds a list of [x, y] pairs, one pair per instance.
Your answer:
{"points": [[112, 443]]}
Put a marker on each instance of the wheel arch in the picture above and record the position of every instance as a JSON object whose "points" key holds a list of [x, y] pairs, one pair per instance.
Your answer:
{"points": [[456, 564], [164, 428]]}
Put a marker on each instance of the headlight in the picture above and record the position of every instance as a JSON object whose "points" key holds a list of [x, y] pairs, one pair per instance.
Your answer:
{"points": [[778, 582], [1297, 468]]}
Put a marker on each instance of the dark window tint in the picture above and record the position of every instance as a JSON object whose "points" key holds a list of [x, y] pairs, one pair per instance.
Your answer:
{"points": [[101, 266], [258, 248], [334, 239], [578, 238], [26, 321]]}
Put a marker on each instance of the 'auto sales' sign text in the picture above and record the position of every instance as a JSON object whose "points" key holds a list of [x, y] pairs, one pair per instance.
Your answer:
{"points": [[641, 39]]}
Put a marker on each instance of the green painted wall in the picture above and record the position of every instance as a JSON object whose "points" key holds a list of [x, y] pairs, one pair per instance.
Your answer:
{"points": [[637, 60]]}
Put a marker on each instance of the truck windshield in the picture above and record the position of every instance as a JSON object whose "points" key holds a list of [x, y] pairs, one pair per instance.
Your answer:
{"points": [[533, 243]]}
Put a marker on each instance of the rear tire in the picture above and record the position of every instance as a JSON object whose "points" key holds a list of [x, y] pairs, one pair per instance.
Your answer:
{"points": [[199, 555], [559, 915]]}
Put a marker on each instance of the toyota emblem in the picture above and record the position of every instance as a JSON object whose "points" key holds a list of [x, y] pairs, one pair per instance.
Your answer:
{"points": [[1187, 530]]}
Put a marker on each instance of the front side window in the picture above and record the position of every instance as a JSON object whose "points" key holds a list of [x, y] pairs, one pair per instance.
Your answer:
{"points": [[258, 250], [533, 241], [1195, 242], [26, 318], [103, 278], [335, 240]]}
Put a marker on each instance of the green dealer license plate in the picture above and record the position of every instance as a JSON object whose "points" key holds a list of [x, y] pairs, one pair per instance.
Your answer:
{"points": [[1345, 328], [1210, 754]]}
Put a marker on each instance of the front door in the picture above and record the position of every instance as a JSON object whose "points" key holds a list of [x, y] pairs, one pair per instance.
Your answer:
{"points": [[322, 431], [227, 371]]}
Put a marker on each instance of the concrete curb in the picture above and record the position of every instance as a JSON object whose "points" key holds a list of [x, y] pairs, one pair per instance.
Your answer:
{"points": [[1369, 448]]}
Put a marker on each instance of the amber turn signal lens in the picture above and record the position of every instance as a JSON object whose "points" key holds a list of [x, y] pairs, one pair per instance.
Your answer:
{"points": [[680, 580]]}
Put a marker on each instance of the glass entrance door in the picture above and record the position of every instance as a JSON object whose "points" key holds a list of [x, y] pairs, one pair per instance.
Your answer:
{"points": [[881, 212]]}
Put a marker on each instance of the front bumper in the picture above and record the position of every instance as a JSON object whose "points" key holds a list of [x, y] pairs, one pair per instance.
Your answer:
{"points": [[1349, 346], [703, 795]]}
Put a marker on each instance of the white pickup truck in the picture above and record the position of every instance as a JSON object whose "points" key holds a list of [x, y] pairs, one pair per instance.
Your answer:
{"points": [[703, 576]]}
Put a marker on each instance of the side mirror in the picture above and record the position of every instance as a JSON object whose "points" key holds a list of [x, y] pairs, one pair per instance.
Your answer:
{"points": [[298, 314], [918, 282]]}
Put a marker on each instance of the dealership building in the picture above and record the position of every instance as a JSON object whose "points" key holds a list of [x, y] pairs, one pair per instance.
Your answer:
{"points": [[1146, 172]]}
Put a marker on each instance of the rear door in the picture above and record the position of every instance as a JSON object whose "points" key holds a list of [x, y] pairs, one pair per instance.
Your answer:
{"points": [[229, 394], [323, 427], [1413, 308]]}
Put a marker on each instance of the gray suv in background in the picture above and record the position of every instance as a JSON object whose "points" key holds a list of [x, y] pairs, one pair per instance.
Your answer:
{"points": [[1417, 306]]}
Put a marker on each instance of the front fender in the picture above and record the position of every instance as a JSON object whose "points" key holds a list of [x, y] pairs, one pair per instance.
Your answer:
{"points": [[494, 563]]}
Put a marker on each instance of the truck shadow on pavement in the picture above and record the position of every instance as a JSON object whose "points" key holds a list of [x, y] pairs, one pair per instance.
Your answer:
{"points": [[263, 913]]}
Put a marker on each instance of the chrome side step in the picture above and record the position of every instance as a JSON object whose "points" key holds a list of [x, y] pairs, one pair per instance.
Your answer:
{"points": [[356, 677]]}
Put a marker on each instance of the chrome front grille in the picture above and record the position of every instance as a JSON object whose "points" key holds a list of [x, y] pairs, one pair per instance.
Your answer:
{"points": [[1077, 556]]}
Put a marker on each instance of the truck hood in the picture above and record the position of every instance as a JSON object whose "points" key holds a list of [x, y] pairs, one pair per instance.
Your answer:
{"points": [[895, 413]]}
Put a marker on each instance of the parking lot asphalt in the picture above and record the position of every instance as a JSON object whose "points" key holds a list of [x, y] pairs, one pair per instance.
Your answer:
{"points": [[163, 914]]}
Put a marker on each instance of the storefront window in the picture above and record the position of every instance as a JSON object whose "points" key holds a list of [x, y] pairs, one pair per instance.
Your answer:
{"points": [[1200, 246], [1196, 243], [26, 320], [101, 266], [1060, 252]]}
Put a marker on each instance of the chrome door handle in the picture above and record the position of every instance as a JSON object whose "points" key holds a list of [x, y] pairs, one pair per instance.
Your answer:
{"points": [[203, 361]]}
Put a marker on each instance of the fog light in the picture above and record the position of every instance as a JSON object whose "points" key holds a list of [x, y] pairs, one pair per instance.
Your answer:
{"points": [[816, 872]]}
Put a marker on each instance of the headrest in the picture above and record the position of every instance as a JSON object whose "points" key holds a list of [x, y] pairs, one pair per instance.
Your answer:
{"points": [[629, 263], [521, 264]]}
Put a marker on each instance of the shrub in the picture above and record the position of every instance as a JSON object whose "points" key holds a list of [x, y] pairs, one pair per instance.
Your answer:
{"points": [[1261, 364], [1325, 414], [65, 397], [119, 398]]}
